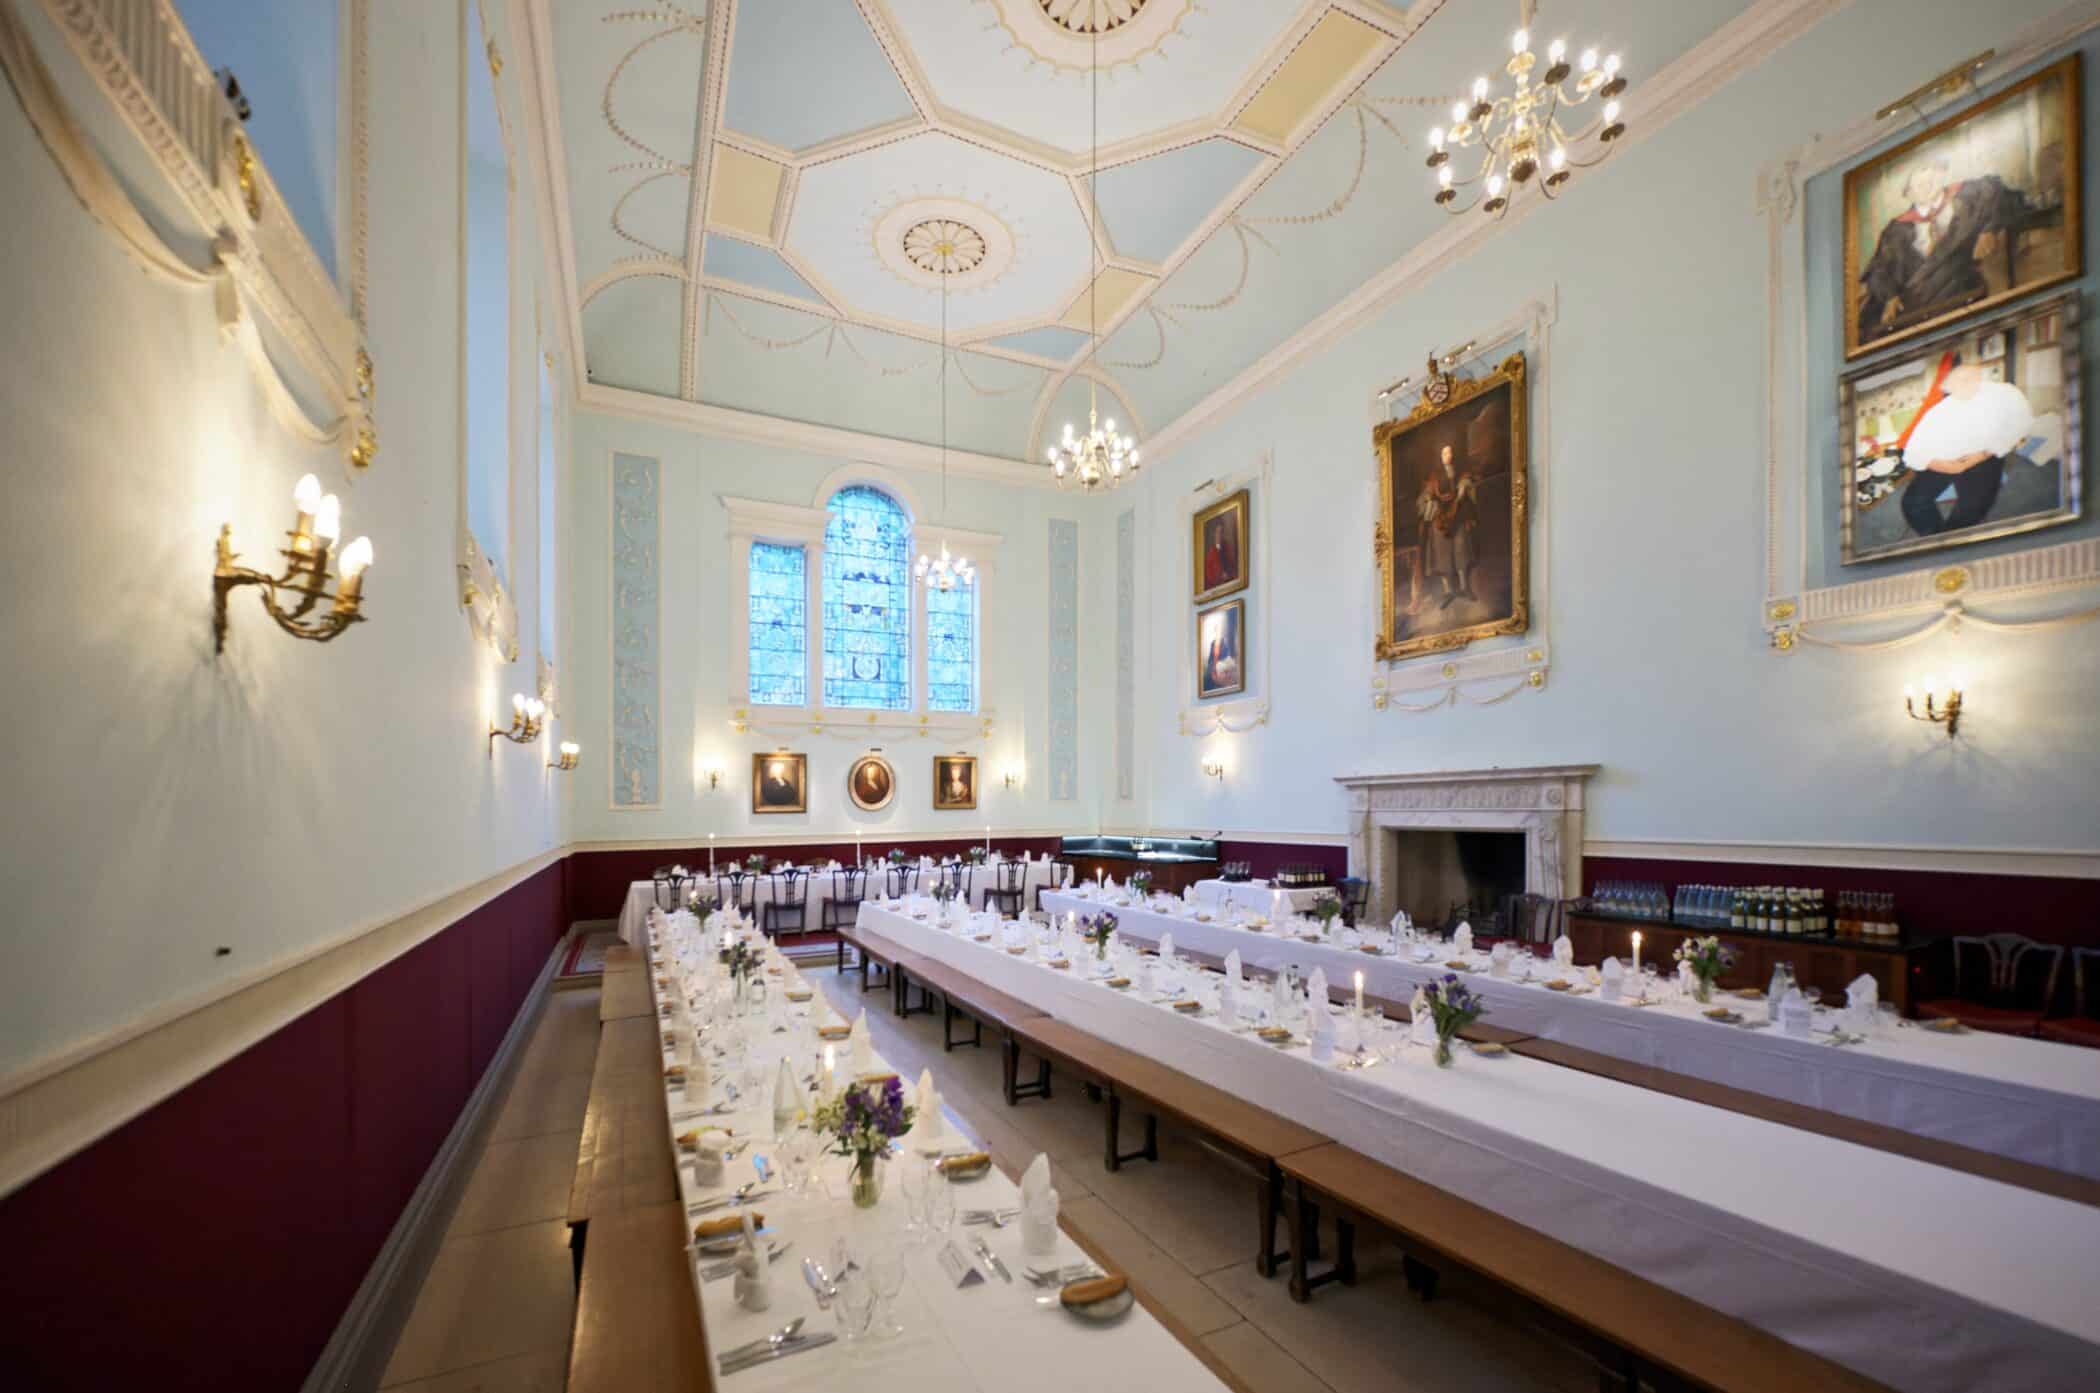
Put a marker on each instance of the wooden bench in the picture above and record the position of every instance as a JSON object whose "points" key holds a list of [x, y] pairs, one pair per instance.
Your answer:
{"points": [[963, 995], [1637, 1330], [623, 1160], [874, 950], [637, 1329], [1238, 1132], [624, 994]]}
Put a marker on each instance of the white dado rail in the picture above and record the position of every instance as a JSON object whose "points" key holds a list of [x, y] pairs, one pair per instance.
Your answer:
{"points": [[1544, 803]]}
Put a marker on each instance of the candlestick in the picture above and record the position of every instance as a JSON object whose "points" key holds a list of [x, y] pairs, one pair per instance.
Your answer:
{"points": [[710, 856], [988, 841], [1636, 952], [831, 1070]]}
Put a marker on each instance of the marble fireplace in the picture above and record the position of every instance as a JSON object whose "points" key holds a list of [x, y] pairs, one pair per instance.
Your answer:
{"points": [[1543, 803]]}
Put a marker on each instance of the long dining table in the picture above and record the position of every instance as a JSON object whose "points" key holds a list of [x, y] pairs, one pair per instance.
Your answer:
{"points": [[1915, 1275], [987, 1335], [2032, 1101], [975, 879]]}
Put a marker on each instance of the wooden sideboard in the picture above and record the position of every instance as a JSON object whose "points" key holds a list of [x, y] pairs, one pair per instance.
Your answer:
{"points": [[1822, 961]]}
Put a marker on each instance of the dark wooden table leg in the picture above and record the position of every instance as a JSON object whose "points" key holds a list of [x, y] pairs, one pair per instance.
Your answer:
{"points": [[1301, 1290]]}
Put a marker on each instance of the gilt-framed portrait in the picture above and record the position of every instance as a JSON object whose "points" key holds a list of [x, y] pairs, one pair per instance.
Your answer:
{"points": [[1967, 214], [1219, 539], [954, 783], [1973, 434], [1452, 488], [780, 783], [1221, 650], [871, 783]]}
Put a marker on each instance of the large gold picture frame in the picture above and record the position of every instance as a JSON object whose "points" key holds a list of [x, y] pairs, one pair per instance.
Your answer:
{"points": [[1453, 564], [954, 783], [779, 783], [1218, 548]]}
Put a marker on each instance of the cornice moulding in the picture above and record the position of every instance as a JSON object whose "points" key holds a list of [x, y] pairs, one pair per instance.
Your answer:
{"points": [[1732, 50]]}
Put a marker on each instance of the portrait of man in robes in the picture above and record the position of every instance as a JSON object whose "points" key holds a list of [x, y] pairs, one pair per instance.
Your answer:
{"points": [[1220, 547], [1453, 492], [1976, 210], [1220, 657], [779, 783]]}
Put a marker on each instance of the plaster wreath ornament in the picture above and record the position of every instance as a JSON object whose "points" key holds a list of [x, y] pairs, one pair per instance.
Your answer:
{"points": [[1091, 16], [1453, 1006], [863, 1122], [1708, 958]]}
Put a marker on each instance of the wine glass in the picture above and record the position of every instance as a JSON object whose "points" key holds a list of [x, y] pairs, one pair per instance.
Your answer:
{"points": [[940, 1207], [912, 1181], [854, 1298]]}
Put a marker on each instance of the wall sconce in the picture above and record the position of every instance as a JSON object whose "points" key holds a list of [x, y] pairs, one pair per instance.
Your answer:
{"points": [[1939, 709], [319, 523], [713, 775], [525, 723], [1012, 776], [571, 752], [1214, 767]]}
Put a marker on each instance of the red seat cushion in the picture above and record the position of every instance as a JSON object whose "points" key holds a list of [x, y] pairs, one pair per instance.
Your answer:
{"points": [[1977, 1016], [2073, 1030]]}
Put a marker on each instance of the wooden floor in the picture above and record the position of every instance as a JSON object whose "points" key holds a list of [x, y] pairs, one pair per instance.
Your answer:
{"points": [[498, 1309]]}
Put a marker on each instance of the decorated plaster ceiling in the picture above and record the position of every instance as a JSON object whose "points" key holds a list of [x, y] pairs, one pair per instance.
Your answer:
{"points": [[772, 205]]}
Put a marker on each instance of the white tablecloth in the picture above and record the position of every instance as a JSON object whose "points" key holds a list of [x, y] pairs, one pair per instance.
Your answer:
{"points": [[2031, 1100], [641, 894], [1255, 897], [988, 1337], [1921, 1277]]}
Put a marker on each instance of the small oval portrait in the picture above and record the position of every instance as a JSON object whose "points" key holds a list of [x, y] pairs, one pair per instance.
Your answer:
{"points": [[871, 783]]}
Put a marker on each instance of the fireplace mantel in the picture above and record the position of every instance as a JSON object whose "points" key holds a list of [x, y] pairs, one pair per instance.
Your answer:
{"points": [[1545, 802]]}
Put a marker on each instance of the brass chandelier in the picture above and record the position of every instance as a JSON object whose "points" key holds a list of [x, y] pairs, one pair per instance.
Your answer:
{"points": [[950, 247], [1520, 136], [1100, 459]]}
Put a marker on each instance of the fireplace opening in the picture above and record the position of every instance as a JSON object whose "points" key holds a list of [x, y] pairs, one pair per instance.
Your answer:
{"points": [[1442, 875]]}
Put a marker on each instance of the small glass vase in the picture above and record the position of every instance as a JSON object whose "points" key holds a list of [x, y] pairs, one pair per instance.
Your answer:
{"points": [[1443, 1052], [867, 1180], [1702, 989]]}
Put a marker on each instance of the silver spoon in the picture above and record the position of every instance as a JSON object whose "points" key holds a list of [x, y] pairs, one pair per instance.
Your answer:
{"points": [[773, 1341]]}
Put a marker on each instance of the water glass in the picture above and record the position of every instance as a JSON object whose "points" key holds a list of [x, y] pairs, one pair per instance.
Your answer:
{"points": [[885, 1272], [940, 1207], [854, 1302], [913, 1180]]}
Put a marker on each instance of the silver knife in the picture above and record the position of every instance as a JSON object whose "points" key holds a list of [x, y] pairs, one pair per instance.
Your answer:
{"points": [[715, 1271], [984, 1250], [780, 1351], [813, 1275]]}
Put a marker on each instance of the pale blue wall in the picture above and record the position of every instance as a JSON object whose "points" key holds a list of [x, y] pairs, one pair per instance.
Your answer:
{"points": [[696, 655], [288, 57], [1654, 531]]}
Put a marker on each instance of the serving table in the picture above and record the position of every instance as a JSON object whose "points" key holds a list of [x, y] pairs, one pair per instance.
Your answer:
{"points": [[987, 1337], [2030, 1100], [1917, 1276]]}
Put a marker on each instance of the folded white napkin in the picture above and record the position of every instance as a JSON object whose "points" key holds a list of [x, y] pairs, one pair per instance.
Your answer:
{"points": [[1316, 990], [1614, 978], [928, 1124], [1038, 1209], [1232, 968], [1864, 991], [754, 1277], [862, 1052], [1564, 951], [1166, 946], [1422, 1029], [1280, 999], [787, 1099], [1796, 1016], [1401, 923], [1322, 1031], [1498, 960], [1229, 1004], [1462, 941]]}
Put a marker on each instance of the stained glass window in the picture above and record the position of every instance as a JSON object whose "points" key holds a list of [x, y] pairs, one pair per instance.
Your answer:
{"points": [[951, 649], [779, 626], [867, 602]]}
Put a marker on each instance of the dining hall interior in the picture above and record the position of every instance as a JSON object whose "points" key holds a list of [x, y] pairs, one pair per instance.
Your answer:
{"points": [[1289, 696]]}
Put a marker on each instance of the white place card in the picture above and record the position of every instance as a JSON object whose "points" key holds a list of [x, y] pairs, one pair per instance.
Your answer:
{"points": [[959, 1268]]}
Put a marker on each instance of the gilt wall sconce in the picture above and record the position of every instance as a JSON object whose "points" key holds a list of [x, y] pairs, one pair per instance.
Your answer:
{"points": [[571, 753], [1214, 767], [527, 718], [304, 584], [1937, 707], [713, 775], [1013, 776]]}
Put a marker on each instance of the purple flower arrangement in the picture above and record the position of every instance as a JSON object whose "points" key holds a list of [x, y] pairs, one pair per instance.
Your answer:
{"points": [[864, 1119], [1099, 929], [1454, 1006]]}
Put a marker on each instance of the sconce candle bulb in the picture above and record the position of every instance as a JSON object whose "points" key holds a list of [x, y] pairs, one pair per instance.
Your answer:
{"points": [[1936, 706], [571, 752], [291, 597], [526, 722]]}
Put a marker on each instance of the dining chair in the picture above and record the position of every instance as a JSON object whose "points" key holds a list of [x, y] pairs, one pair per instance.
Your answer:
{"points": [[666, 889], [2078, 1028], [2006, 999], [790, 901], [1355, 893], [1008, 891], [736, 891], [842, 910], [1056, 876], [903, 880], [1531, 918]]}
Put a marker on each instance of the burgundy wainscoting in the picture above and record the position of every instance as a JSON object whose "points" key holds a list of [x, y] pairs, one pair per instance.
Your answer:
{"points": [[598, 880], [1929, 904], [213, 1242], [1265, 857]]}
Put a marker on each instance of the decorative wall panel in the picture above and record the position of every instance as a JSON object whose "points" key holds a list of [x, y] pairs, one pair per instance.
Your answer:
{"points": [[1064, 660], [637, 623], [1126, 654]]}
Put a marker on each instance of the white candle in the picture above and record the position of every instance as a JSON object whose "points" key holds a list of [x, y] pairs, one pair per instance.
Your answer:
{"points": [[831, 1070], [1636, 952], [710, 856], [1359, 993]]}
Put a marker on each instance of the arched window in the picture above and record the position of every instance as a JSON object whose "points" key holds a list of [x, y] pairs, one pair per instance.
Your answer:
{"points": [[951, 649], [779, 626], [867, 601]]}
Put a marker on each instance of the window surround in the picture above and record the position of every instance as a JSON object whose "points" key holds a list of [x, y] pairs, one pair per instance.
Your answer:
{"points": [[787, 524]]}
